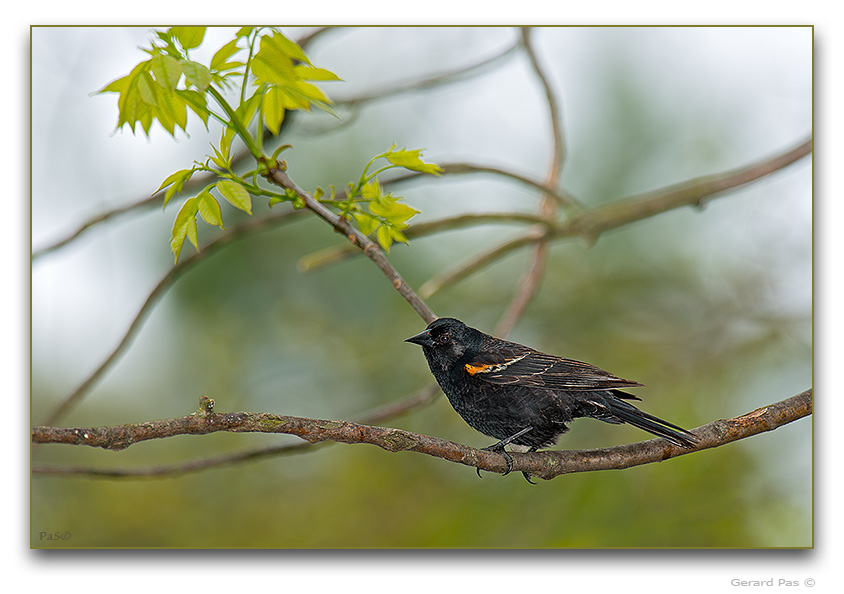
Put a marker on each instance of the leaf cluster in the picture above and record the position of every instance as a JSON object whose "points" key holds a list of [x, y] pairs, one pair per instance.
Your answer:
{"points": [[167, 84], [377, 214], [276, 76]]}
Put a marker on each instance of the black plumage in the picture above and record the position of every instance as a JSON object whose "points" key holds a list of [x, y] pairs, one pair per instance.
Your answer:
{"points": [[519, 395]]}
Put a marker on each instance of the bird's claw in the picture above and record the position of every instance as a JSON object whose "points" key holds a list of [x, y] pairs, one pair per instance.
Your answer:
{"points": [[499, 447]]}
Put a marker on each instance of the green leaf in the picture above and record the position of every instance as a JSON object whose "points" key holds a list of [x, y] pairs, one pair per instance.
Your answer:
{"points": [[184, 227], [292, 99], [313, 73], [274, 66], [189, 37], [236, 195], [135, 97], [178, 180], [229, 66], [371, 190], [119, 85], [226, 138], [397, 235], [393, 212], [246, 110], [196, 102], [223, 54], [382, 234], [166, 70], [366, 222], [196, 74], [173, 177], [310, 91], [271, 64], [244, 32], [145, 87], [288, 47], [274, 109], [146, 122], [170, 109], [221, 160], [411, 160], [171, 191], [169, 45], [209, 209]]}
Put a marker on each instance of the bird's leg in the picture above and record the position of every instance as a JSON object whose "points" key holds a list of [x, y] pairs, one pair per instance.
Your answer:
{"points": [[499, 447]]}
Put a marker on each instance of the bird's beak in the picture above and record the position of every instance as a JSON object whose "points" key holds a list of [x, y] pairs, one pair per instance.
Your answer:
{"points": [[422, 339]]}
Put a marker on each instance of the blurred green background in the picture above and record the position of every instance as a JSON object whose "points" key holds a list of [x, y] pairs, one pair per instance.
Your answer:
{"points": [[710, 308]]}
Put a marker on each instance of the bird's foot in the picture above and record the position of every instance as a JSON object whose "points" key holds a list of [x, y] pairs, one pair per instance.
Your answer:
{"points": [[499, 447]]}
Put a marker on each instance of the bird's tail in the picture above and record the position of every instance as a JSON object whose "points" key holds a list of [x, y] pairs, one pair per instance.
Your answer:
{"points": [[628, 413]]}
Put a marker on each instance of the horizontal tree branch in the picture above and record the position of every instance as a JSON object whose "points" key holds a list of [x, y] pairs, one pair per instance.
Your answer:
{"points": [[391, 410], [545, 465]]}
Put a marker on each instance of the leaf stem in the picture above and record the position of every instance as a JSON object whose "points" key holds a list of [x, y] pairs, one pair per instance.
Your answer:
{"points": [[237, 124]]}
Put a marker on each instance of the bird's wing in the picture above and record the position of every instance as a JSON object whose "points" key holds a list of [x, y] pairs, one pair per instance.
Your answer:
{"points": [[526, 367]]}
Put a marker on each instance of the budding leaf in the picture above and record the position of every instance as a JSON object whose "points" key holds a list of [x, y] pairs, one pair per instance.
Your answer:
{"points": [[366, 222], [185, 226], [209, 209], [384, 238], [178, 180], [412, 160], [236, 195]]}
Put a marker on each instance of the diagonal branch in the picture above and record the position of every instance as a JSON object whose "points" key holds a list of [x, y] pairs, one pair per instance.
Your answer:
{"points": [[446, 77], [234, 234], [545, 465], [198, 182], [591, 224], [278, 176]]}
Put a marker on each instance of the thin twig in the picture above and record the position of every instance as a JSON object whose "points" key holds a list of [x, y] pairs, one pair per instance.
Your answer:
{"points": [[234, 234], [564, 199], [530, 282], [201, 181], [336, 253], [433, 80], [469, 267], [545, 465], [591, 224], [372, 251]]}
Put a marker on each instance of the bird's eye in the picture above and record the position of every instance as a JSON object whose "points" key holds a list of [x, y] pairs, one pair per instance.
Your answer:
{"points": [[443, 338]]}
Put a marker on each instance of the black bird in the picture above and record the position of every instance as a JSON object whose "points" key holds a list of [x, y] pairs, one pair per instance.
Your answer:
{"points": [[524, 397]]}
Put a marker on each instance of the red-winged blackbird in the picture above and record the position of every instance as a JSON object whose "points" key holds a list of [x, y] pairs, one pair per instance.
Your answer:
{"points": [[521, 396]]}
